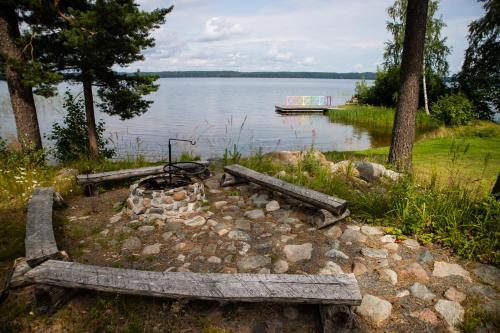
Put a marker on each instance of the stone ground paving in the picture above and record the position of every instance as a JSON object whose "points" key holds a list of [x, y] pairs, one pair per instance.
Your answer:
{"points": [[405, 286]]}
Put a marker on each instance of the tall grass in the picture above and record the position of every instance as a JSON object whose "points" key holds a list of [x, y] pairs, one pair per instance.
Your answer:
{"points": [[456, 216], [378, 120]]}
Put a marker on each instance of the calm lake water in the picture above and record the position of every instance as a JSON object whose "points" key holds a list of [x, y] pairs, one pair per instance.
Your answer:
{"points": [[217, 113]]}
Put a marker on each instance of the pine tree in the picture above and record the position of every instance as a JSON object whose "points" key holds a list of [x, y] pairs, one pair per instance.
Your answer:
{"points": [[403, 132], [85, 39]]}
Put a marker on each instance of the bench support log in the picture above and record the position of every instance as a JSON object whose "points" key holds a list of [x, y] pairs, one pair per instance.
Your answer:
{"points": [[337, 318]]}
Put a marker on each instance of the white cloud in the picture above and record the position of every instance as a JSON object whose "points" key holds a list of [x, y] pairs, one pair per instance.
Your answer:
{"points": [[277, 55], [217, 28]]}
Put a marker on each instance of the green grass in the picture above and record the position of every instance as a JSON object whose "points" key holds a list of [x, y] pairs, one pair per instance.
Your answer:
{"points": [[378, 121]]}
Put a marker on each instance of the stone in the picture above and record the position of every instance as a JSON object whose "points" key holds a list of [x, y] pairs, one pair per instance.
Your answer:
{"points": [[331, 268], [353, 227], [259, 200], [173, 226], [210, 249], [424, 256], [393, 247], [222, 232], [389, 275], [443, 269], [371, 231], [115, 218], [196, 221], [280, 266], [454, 295], [181, 195], [212, 222], [403, 293], [296, 253], [253, 262], [291, 313], [411, 243], [387, 239], [244, 248], [151, 249], [333, 253], [425, 315], [374, 253], [238, 235], [415, 271], [104, 233], [180, 246], [263, 248], [254, 214], [283, 228], [167, 235], [451, 311], [286, 238], [272, 206], [487, 274], [228, 259], [264, 270], [243, 224], [220, 204], [214, 260], [359, 268], [333, 232], [370, 171], [146, 228], [396, 257], [420, 291], [168, 200], [374, 309], [132, 243], [350, 235]]}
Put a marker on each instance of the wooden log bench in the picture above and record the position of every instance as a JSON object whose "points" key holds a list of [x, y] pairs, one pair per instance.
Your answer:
{"points": [[337, 206], [40, 243], [335, 294]]}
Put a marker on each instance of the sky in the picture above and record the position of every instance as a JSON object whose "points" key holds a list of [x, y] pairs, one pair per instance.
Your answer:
{"points": [[286, 35]]}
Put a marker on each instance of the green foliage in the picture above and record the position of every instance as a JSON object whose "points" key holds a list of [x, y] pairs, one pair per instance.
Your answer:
{"points": [[70, 138], [479, 319], [454, 109], [480, 75], [231, 156]]}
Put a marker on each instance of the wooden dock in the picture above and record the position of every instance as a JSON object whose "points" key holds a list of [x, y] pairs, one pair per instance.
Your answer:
{"points": [[304, 109]]}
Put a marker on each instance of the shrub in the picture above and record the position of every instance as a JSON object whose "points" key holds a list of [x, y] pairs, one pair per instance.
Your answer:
{"points": [[454, 109], [71, 139]]}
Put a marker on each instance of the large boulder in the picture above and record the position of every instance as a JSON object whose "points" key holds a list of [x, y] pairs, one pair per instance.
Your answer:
{"points": [[374, 309]]}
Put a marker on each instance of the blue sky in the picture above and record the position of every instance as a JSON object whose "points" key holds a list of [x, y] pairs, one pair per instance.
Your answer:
{"points": [[286, 35]]}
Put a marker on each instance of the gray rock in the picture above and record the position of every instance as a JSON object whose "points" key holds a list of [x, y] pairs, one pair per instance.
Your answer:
{"points": [[210, 249], [488, 274], [151, 249], [350, 235], [370, 171], [259, 200], [243, 224], [389, 275], [387, 239], [444, 269], [253, 262], [451, 311], [156, 210], [263, 248], [333, 253], [146, 228], [296, 253], [283, 228], [454, 295], [167, 235], [333, 232], [115, 218], [411, 243], [371, 231], [374, 253], [272, 206], [238, 235], [374, 309], [214, 260], [424, 256], [254, 214], [132, 243], [280, 266], [420, 291], [196, 221], [331, 268], [173, 226]]}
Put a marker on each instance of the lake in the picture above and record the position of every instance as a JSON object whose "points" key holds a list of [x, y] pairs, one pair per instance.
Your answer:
{"points": [[218, 113]]}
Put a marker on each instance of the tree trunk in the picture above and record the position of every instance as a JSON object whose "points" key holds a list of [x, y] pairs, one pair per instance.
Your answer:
{"points": [[403, 132], [21, 96], [89, 112], [424, 86]]}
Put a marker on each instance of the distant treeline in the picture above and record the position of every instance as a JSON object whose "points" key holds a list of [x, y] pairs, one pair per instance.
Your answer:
{"points": [[288, 75]]}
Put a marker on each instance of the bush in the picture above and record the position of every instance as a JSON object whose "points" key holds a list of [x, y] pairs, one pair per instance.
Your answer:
{"points": [[71, 139], [454, 109]]}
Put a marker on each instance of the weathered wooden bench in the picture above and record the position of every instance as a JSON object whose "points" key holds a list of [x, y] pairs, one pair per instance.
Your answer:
{"points": [[321, 200], [335, 293], [40, 243], [96, 178]]}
